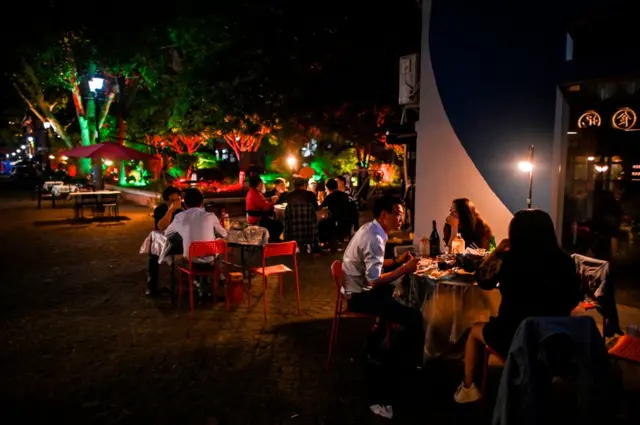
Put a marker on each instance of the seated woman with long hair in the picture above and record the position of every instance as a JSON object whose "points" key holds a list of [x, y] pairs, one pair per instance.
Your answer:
{"points": [[537, 278], [464, 219]]}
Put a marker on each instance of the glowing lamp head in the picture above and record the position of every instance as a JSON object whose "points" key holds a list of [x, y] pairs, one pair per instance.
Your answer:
{"points": [[291, 161], [108, 162], [47, 124], [23, 147], [18, 150], [30, 139], [591, 158], [601, 168], [52, 157], [64, 158], [525, 166], [96, 84]]}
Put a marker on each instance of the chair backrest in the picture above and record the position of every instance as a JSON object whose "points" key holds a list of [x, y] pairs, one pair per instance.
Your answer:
{"points": [[336, 272], [279, 249], [301, 223], [207, 248]]}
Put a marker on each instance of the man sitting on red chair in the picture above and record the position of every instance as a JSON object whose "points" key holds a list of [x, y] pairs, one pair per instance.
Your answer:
{"points": [[196, 225], [370, 291]]}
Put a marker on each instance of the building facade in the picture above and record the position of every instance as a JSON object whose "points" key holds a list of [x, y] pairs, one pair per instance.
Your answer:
{"points": [[495, 79]]}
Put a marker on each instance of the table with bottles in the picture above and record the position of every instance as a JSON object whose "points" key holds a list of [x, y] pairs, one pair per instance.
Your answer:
{"points": [[450, 305]]}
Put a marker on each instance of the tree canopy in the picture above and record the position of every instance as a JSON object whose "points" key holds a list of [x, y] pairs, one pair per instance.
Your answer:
{"points": [[241, 70]]}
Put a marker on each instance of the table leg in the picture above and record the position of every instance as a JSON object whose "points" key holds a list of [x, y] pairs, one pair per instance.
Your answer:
{"points": [[173, 280], [244, 267]]}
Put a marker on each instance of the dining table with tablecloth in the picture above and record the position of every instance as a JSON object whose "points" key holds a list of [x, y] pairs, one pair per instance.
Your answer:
{"points": [[449, 308]]}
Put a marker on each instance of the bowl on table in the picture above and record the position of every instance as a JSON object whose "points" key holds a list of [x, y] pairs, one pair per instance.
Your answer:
{"points": [[469, 262]]}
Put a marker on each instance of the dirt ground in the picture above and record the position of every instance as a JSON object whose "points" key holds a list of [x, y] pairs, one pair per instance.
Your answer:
{"points": [[82, 345]]}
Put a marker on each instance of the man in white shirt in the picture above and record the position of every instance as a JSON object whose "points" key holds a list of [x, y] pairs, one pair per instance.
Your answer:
{"points": [[195, 224], [370, 291]]}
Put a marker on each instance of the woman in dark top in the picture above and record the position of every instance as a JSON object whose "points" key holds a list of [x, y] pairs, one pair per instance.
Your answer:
{"points": [[536, 277], [464, 219]]}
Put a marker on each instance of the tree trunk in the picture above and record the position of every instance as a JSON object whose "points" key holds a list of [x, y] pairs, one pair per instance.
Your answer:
{"points": [[121, 134]]}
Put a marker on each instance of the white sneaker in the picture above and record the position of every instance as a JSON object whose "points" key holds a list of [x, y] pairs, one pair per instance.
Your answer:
{"points": [[384, 411], [467, 395]]}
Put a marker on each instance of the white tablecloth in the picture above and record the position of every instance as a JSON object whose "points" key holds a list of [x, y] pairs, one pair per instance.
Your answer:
{"points": [[157, 243], [51, 183], [449, 309], [63, 189]]}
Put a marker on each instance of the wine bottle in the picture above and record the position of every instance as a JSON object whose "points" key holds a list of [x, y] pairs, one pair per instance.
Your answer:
{"points": [[434, 241]]}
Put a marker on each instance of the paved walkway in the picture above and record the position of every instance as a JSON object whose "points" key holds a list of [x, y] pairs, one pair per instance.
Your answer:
{"points": [[81, 344]]}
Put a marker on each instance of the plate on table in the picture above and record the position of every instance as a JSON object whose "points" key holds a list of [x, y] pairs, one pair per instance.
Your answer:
{"points": [[463, 274], [437, 275]]}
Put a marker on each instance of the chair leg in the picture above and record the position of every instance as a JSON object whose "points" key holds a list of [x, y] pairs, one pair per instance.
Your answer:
{"points": [[297, 288], [264, 295], [249, 289], [333, 339], [216, 283], [485, 369], [191, 308]]}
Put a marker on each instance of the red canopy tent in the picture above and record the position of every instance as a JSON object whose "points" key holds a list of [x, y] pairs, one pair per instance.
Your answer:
{"points": [[107, 150]]}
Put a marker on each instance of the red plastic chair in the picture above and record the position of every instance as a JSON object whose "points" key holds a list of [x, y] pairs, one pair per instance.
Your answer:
{"points": [[488, 352], [204, 249], [336, 272], [276, 250], [626, 348]]}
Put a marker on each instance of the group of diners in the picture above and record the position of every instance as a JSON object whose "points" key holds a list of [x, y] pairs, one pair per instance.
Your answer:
{"points": [[337, 198], [520, 264], [535, 276]]}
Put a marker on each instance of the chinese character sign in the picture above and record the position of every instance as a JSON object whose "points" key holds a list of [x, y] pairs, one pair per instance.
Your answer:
{"points": [[624, 119], [589, 119]]}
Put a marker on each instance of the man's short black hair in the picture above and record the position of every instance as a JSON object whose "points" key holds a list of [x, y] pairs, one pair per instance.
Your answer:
{"points": [[331, 184], [279, 181], [193, 198], [254, 180], [170, 190], [299, 183], [385, 203], [343, 179]]}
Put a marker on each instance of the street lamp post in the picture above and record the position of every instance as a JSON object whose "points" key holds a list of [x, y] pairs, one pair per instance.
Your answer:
{"points": [[95, 85], [291, 161], [47, 144], [527, 166]]}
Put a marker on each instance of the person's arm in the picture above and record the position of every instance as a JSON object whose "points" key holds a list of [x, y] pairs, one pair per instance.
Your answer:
{"points": [[262, 203], [488, 272], [374, 262], [218, 229], [164, 222], [174, 227]]}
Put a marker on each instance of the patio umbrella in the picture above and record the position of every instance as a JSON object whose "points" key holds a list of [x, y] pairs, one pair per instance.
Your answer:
{"points": [[306, 172], [106, 150]]}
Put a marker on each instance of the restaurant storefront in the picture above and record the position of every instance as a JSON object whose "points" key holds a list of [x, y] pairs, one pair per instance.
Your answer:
{"points": [[486, 96], [602, 180]]}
